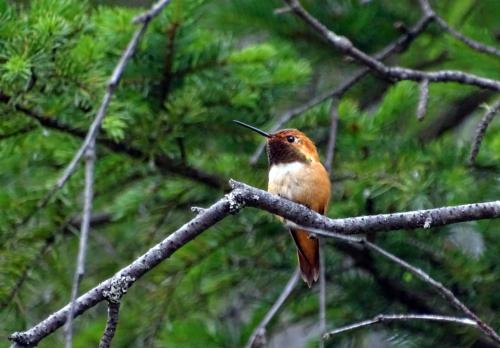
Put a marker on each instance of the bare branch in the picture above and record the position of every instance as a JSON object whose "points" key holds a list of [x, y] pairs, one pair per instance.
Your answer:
{"points": [[258, 337], [481, 130], [398, 45], [423, 99], [444, 291], [480, 47], [244, 195], [147, 16], [117, 285], [111, 324], [88, 196], [466, 40], [372, 223], [330, 148], [281, 10], [344, 45], [112, 84], [426, 8], [101, 112], [382, 318]]}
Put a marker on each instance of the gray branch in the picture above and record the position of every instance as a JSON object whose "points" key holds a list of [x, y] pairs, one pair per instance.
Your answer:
{"points": [[439, 287], [84, 233], [118, 284], [480, 47], [241, 196], [111, 324], [398, 45], [258, 337], [423, 99], [481, 130], [111, 86], [466, 40], [383, 318], [345, 46]]}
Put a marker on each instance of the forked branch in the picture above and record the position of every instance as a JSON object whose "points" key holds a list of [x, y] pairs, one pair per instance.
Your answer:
{"points": [[241, 196], [395, 73]]}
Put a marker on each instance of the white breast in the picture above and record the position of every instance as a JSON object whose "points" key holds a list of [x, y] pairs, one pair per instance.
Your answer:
{"points": [[283, 178]]}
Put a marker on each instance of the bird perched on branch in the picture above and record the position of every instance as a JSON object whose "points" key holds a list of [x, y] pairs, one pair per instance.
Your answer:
{"points": [[296, 173]]}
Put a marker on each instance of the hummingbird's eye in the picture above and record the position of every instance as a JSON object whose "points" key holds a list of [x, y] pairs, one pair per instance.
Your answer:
{"points": [[290, 138]]}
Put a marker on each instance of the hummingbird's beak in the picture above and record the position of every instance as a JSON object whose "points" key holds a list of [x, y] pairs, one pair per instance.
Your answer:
{"points": [[261, 132]]}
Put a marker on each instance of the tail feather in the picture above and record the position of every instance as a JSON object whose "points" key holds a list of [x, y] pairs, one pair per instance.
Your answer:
{"points": [[308, 255]]}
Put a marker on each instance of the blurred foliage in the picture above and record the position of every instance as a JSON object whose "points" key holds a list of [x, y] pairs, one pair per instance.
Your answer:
{"points": [[200, 65]]}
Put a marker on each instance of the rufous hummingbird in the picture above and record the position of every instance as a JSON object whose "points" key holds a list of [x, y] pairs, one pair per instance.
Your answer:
{"points": [[296, 173]]}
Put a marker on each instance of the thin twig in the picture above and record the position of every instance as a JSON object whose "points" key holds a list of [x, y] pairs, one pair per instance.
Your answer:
{"points": [[481, 130], [84, 232], [241, 196], [147, 16], [111, 86], [258, 337], [101, 112], [382, 318], [423, 99], [478, 46], [322, 291], [395, 73], [445, 292], [398, 45], [281, 10], [330, 148], [466, 40], [111, 324], [439, 287]]}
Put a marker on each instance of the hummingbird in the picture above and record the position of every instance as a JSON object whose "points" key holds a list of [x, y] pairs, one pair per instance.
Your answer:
{"points": [[296, 173]]}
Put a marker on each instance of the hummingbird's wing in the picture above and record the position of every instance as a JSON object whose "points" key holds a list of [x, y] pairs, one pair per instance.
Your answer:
{"points": [[308, 255]]}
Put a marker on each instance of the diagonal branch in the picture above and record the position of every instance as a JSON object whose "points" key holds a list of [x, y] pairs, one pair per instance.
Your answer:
{"points": [[480, 47], [398, 45], [241, 196], [481, 130], [123, 279], [396, 73], [258, 336], [439, 287], [383, 318], [111, 86]]}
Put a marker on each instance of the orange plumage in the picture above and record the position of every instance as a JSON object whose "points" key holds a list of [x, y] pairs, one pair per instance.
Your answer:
{"points": [[296, 173], [303, 179]]}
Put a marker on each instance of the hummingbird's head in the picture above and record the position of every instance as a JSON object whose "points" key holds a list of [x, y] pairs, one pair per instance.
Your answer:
{"points": [[287, 145]]}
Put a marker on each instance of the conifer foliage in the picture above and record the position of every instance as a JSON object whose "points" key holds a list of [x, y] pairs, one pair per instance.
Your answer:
{"points": [[167, 144]]}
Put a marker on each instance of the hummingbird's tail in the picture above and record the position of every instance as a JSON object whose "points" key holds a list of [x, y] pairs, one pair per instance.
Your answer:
{"points": [[308, 254]]}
